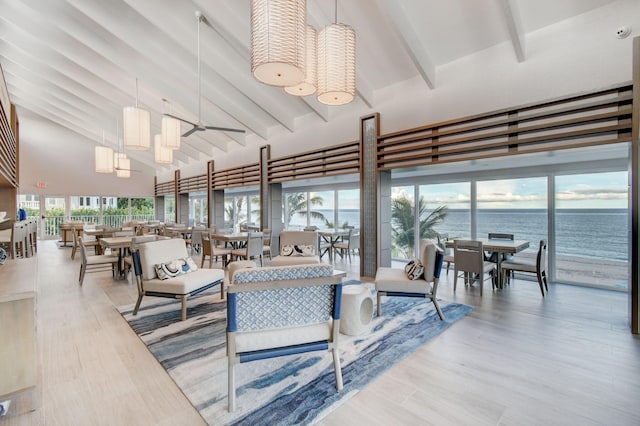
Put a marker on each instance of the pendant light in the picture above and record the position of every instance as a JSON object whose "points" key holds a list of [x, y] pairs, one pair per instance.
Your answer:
{"points": [[137, 127], [336, 63], [278, 34], [170, 131], [310, 82], [103, 158], [162, 155]]}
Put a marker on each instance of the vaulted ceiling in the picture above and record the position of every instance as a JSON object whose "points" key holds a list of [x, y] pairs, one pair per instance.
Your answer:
{"points": [[76, 62]]}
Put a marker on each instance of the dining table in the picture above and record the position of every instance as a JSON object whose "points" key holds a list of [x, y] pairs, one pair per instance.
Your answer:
{"points": [[331, 236], [121, 244], [500, 246], [235, 239]]}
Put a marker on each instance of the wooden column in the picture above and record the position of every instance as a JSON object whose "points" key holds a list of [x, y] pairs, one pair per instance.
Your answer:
{"points": [[370, 242], [210, 166]]}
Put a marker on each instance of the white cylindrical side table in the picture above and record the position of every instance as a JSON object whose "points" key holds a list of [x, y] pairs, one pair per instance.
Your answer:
{"points": [[356, 311]]}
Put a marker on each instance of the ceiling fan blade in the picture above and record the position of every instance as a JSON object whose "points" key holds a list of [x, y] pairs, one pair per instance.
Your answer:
{"points": [[181, 119], [188, 132], [224, 129]]}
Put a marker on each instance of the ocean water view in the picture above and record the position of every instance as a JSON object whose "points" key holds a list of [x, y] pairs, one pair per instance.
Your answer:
{"points": [[593, 233]]}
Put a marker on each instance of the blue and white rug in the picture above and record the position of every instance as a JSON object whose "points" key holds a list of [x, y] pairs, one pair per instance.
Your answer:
{"points": [[297, 389]]}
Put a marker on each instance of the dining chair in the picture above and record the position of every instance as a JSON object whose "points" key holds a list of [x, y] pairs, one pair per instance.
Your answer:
{"points": [[517, 264], [469, 260], [252, 249], [266, 242], [194, 242], [87, 243], [350, 244], [97, 263], [213, 251], [448, 252]]}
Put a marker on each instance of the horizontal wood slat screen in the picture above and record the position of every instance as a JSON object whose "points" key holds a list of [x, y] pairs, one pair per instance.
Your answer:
{"points": [[192, 184], [165, 188], [236, 177], [331, 161], [8, 151], [597, 118]]}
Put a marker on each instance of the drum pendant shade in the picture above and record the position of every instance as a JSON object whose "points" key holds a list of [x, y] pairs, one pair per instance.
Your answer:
{"points": [[103, 159], [336, 64], [163, 155], [278, 36], [137, 129], [124, 170], [310, 82], [170, 133]]}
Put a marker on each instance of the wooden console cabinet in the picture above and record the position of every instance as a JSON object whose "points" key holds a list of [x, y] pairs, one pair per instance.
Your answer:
{"points": [[18, 357]]}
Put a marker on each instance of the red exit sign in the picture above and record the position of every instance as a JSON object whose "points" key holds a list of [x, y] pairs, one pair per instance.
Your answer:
{"points": [[41, 184]]}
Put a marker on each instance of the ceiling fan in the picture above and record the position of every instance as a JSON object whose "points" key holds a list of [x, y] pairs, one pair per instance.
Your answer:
{"points": [[199, 127]]}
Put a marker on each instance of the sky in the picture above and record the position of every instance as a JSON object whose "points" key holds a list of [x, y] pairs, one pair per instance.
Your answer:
{"points": [[595, 190]]}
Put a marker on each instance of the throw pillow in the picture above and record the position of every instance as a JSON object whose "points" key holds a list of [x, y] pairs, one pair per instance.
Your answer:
{"points": [[175, 268], [298, 250], [414, 269]]}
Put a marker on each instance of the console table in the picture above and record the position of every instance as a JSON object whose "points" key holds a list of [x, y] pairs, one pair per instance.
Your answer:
{"points": [[18, 278]]}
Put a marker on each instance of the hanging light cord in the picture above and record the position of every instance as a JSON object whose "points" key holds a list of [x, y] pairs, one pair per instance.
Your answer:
{"points": [[336, 12]]}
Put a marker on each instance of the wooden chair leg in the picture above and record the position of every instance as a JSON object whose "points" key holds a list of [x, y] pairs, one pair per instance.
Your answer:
{"points": [[183, 315], [135, 309], [231, 386], [337, 368], [435, 303]]}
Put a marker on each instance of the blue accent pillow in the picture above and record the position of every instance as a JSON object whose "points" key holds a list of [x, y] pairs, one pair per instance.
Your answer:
{"points": [[175, 268]]}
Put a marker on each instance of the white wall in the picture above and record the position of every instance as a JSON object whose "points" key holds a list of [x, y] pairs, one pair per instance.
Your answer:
{"points": [[65, 161]]}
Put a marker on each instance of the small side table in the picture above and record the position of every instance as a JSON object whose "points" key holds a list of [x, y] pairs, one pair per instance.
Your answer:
{"points": [[357, 310]]}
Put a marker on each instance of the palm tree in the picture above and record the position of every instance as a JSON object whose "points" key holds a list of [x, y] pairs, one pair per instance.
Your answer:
{"points": [[403, 223], [297, 205]]}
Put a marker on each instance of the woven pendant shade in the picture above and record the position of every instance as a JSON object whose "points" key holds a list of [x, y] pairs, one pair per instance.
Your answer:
{"points": [[336, 64], [278, 34], [170, 133], [124, 169], [163, 155], [310, 82], [103, 159]]}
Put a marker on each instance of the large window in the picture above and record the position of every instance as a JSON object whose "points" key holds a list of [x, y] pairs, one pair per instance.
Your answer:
{"points": [[513, 206], [403, 222], [84, 208], [198, 213], [451, 202], [169, 208], [349, 208], [591, 229]]}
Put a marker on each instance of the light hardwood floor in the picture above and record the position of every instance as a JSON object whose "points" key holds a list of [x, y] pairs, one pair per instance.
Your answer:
{"points": [[516, 359]]}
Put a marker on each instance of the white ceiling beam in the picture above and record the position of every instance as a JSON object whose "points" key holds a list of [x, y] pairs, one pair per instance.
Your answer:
{"points": [[403, 27], [509, 11]]}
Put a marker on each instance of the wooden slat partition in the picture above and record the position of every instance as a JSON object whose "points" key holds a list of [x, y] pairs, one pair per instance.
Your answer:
{"points": [[236, 177], [164, 188], [597, 118], [192, 184], [8, 150], [331, 161]]}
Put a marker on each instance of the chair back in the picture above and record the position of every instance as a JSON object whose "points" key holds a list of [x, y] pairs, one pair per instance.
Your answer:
{"points": [[468, 255], [429, 254], [254, 244], [206, 244], [500, 236], [299, 238], [83, 249], [354, 239], [127, 233], [541, 264], [266, 237]]}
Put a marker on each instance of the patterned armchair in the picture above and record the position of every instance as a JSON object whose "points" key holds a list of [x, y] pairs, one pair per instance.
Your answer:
{"points": [[277, 311]]}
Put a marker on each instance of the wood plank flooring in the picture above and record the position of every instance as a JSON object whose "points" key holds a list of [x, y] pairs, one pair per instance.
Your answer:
{"points": [[515, 360]]}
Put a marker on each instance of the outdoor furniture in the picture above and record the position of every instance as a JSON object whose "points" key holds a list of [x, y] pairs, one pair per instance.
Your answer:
{"points": [[469, 260], [277, 311], [181, 287], [539, 267], [395, 282]]}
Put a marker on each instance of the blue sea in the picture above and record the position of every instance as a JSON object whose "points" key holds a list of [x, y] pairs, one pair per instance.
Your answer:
{"points": [[597, 233]]}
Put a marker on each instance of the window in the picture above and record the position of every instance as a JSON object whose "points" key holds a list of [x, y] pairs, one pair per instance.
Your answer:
{"points": [[451, 202], [591, 229]]}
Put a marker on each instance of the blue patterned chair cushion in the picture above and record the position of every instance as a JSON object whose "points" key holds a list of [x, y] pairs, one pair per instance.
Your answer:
{"points": [[298, 250], [174, 268]]}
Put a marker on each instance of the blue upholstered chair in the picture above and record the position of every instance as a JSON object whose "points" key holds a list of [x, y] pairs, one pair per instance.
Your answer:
{"points": [[395, 282], [283, 310]]}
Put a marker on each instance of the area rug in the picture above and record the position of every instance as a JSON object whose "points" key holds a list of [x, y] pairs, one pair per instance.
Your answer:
{"points": [[296, 389]]}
